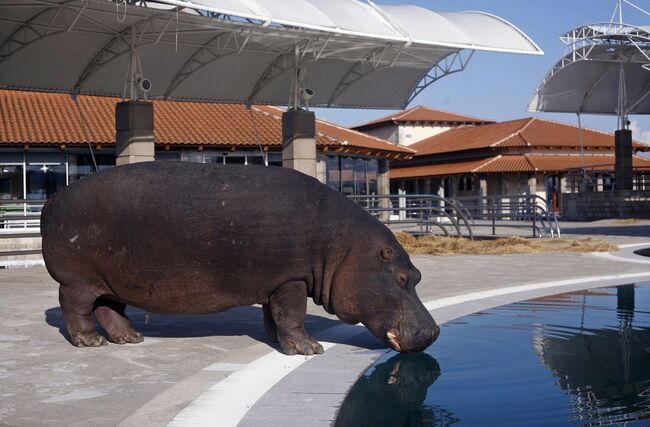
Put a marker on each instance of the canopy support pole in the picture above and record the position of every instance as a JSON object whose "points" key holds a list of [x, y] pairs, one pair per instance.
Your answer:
{"points": [[299, 127], [134, 132], [623, 169]]}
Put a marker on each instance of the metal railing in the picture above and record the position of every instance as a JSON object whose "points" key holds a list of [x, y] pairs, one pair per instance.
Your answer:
{"points": [[463, 216], [19, 219], [512, 211], [419, 214], [599, 178]]}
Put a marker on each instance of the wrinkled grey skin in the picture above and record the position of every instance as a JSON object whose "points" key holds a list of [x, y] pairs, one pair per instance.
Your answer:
{"points": [[197, 238]]}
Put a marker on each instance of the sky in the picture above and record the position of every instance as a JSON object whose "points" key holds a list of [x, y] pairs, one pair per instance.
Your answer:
{"points": [[499, 86]]}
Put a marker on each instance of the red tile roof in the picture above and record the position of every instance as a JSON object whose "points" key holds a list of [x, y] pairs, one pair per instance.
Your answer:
{"points": [[455, 168], [423, 114], [529, 132], [36, 118], [517, 164]]}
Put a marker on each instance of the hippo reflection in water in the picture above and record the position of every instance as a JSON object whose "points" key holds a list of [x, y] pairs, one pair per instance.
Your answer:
{"points": [[392, 394], [199, 238]]}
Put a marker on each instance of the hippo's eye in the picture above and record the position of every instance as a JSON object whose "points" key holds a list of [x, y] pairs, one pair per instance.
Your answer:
{"points": [[386, 254], [401, 279]]}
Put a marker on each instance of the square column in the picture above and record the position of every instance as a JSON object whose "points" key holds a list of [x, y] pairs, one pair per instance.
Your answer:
{"points": [[383, 187], [623, 167], [298, 141], [134, 132]]}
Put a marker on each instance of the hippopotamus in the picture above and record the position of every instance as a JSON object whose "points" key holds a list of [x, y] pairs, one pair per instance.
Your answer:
{"points": [[191, 238]]}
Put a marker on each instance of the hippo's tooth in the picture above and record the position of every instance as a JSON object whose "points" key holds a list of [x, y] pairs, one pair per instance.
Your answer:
{"points": [[392, 339]]}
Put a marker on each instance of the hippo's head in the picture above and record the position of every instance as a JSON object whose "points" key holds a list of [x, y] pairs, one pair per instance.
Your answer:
{"points": [[375, 285]]}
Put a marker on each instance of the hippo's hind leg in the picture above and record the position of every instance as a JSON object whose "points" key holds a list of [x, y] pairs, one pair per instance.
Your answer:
{"points": [[110, 314], [288, 307], [269, 323], [77, 309]]}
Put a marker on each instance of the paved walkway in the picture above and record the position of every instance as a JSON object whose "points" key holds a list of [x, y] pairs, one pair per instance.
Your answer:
{"points": [[220, 369]]}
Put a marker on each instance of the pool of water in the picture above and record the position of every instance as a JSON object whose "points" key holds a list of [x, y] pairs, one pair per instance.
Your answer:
{"points": [[578, 359]]}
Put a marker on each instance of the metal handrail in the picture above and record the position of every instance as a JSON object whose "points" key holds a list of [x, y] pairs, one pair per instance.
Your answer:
{"points": [[515, 208], [422, 210], [20, 219]]}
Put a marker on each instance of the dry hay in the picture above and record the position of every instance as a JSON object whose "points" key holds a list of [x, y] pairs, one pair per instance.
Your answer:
{"points": [[434, 245], [628, 221]]}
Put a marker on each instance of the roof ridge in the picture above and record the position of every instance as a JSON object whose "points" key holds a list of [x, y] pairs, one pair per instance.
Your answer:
{"points": [[515, 133], [405, 112], [530, 162], [574, 126], [492, 160]]}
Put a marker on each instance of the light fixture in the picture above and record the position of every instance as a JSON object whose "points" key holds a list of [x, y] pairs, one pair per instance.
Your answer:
{"points": [[44, 168]]}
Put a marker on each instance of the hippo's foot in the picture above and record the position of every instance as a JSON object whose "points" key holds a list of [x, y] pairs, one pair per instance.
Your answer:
{"points": [[89, 339], [110, 315], [126, 337], [77, 308], [284, 317], [300, 345]]}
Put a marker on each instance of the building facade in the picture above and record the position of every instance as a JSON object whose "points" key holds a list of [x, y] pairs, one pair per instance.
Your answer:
{"points": [[417, 123], [46, 142], [526, 156]]}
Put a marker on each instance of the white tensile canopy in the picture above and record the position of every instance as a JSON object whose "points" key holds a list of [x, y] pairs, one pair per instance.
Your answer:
{"points": [[607, 71], [351, 54]]}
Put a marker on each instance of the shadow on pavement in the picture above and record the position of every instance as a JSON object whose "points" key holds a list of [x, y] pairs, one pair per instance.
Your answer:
{"points": [[238, 321]]}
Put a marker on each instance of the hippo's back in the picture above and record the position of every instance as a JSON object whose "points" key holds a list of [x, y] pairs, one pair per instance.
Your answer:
{"points": [[154, 224]]}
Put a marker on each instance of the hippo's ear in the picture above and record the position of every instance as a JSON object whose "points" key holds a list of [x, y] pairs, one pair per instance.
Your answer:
{"points": [[387, 254]]}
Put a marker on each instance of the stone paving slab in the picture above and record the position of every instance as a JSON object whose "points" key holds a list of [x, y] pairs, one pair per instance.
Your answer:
{"points": [[46, 381]]}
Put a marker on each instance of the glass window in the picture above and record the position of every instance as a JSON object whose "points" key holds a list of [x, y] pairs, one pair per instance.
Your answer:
{"points": [[192, 156], [168, 156], [275, 159], [372, 172], [44, 180], [333, 172], [11, 182], [80, 165], [252, 159], [347, 176], [213, 157], [360, 184], [236, 160]]}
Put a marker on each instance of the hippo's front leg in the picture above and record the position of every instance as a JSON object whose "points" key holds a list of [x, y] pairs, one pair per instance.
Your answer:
{"points": [[288, 307]]}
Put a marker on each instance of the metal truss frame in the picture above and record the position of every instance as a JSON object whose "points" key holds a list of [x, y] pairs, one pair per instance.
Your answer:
{"points": [[452, 63], [234, 34]]}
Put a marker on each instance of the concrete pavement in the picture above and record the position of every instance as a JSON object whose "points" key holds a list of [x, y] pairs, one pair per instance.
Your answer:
{"points": [[183, 360]]}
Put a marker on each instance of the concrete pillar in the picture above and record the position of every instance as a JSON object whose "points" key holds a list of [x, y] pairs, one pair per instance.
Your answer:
{"points": [[482, 193], [623, 167], [134, 132], [298, 141], [383, 187], [383, 177], [532, 185]]}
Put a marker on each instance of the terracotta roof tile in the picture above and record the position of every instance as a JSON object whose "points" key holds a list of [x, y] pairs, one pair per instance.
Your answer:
{"points": [[468, 138], [508, 164], [455, 168], [530, 132], [422, 114], [516, 164], [51, 119]]}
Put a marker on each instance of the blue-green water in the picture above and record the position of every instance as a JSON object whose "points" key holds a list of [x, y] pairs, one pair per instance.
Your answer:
{"points": [[579, 359]]}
